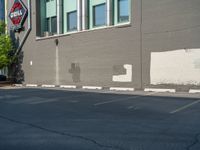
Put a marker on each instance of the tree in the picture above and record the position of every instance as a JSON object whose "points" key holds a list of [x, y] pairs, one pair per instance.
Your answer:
{"points": [[2, 27], [6, 47]]}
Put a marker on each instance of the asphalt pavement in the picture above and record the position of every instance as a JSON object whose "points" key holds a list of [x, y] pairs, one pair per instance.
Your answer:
{"points": [[55, 119]]}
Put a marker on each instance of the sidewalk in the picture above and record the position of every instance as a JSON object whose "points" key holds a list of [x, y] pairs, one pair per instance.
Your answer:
{"points": [[6, 84]]}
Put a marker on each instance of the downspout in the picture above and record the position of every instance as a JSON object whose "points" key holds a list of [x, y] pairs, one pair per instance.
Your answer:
{"points": [[141, 43], [27, 32]]}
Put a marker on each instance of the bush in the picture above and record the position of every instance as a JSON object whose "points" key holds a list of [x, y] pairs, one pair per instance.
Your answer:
{"points": [[6, 48]]}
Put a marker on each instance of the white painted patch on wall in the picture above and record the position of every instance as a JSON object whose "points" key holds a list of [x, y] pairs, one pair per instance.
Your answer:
{"points": [[176, 67], [126, 77]]}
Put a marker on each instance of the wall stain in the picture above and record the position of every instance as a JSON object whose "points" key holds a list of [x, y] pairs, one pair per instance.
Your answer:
{"points": [[75, 70], [119, 69]]}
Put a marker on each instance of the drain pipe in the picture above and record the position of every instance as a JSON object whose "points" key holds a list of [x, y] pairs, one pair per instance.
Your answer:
{"points": [[27, 32]]}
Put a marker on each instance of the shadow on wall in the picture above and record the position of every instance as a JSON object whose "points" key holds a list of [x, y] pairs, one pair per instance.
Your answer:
{"points": [[75, 70], [15, 69]]}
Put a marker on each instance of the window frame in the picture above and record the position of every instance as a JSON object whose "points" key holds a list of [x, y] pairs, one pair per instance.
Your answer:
{"points": [[68, 21], [118, 12], [54, 32], [88, 21], [94, 25]]}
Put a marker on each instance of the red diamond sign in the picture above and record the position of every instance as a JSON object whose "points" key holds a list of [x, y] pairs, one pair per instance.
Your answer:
{"points": [[18, 14]]}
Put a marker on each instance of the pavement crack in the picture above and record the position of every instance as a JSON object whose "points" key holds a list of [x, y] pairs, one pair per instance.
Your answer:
{"points": [[61, 133], [196, 140]]}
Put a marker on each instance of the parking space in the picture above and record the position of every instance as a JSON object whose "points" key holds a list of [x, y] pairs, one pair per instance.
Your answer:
{"points": [[89, 120]]}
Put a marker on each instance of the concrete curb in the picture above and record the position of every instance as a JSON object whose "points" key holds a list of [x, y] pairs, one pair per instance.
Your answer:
{"points": [[48, 86], [31, 85], [193, 91], [68, 86], [92, 87], [18, 85], [121, 89], [159, 90]]}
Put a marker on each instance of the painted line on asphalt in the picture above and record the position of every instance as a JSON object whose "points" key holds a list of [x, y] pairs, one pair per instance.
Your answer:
{"points": [[184, 107], [43, 101], [123, 99]]}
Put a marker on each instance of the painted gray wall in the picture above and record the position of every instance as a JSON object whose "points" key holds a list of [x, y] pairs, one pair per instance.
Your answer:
{"points": [[166, 26]]}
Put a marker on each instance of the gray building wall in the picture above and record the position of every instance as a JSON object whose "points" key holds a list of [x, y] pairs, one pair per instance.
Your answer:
{"points": [[168, 27], [98, 55]]}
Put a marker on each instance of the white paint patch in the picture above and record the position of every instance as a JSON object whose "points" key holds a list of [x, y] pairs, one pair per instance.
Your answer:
{"points": [[121, 89], [176, 67], [194, 91], [31, 85], [68, 86], [92, 87], [126, 77], [18, 85], [159, 90], [48, 86]]}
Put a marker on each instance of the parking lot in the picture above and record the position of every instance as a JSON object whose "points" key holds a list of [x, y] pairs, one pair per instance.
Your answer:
{"points": [[49, 119]]}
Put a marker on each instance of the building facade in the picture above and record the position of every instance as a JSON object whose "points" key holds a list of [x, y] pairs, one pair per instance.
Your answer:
{"points": [[111, 43]]}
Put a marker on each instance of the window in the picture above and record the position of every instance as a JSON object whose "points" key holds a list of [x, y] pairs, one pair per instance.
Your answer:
{"points": [[123, 11], [48, 25], [51, 25], [99, 15], [79, 15], [72, 21], [46, 17], [54, 25], [70, 14]]}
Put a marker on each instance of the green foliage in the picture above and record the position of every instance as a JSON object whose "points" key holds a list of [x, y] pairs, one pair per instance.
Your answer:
{"points": [[2, 27], [6, 48]]}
